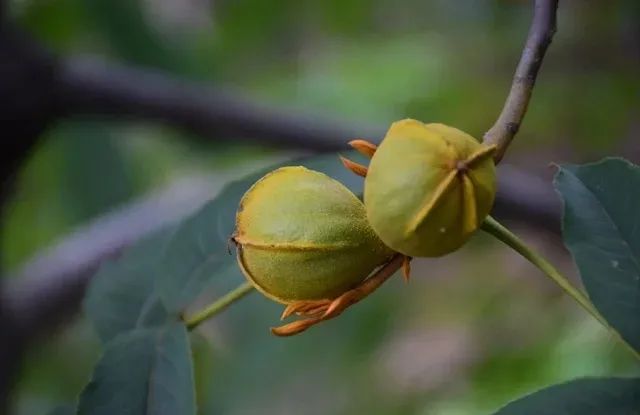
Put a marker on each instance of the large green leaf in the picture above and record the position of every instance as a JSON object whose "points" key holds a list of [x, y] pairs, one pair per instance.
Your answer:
{"points": [[601, 228], [122, 295], [199, 248], [610, 396], [143, 372]]}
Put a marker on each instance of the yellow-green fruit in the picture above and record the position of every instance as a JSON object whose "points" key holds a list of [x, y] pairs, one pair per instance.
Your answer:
{"points": [[302, 235], [428, 188]]}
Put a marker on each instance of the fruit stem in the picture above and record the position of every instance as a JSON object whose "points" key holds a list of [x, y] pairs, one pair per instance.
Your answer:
{"points": [[493, 227], [218, 305]]}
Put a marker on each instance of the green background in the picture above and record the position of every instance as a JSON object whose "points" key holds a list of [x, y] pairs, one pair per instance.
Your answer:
{"points": [[474, 329]]}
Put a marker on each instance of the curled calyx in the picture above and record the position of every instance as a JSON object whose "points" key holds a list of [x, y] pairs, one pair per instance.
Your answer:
{"points": [[306, 241], [303, 240]]}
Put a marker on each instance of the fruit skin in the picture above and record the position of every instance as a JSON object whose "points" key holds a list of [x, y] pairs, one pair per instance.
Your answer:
{"points": [[302, 235], [428, 188]]}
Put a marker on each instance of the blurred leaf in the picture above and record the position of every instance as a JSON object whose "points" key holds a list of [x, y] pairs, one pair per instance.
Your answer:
{"points": [[129, 34], [143, 372], [199, 248], [77, 171], [611, 396], [333, 79], [64, 410], [37, 212], [346, 16], [59, 24], [40, 385], [96, 174], [601, 228], [249, 27], [122, 295]]}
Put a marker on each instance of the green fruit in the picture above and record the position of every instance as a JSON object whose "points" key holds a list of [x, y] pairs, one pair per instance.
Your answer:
{"points": [[302, 235], [428, 188]]}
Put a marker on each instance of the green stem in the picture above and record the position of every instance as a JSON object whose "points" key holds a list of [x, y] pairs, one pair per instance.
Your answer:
{"points": [[218, 305], [490, 225]]}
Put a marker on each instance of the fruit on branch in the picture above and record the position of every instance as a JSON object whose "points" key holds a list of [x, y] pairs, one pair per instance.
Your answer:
{"points": [[428, 188], [302, 236]]}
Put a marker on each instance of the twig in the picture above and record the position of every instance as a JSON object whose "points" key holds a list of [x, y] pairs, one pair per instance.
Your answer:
{"points": [[543, 27], [219, 305], [493, 227]]}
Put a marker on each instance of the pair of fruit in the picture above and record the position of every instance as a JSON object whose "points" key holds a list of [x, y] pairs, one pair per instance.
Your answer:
{"points": [[306, 241]]}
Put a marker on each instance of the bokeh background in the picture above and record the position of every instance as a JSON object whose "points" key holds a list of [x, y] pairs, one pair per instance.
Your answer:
{"points": [[472, 330]]}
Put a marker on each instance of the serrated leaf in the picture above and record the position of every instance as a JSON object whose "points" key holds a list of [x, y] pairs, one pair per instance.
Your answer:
{"points": [[610, 396], [122, 295], [601, 228], [200, 246], [143, 372]]}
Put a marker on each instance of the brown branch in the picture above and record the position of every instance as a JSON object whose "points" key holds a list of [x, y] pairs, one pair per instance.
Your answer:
{"points": [[543, 27], [89, 86]]}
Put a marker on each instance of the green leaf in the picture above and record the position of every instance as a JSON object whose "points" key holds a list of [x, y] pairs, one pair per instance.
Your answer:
{"points": [[601, 228], [122, 295], [199, 248], [143, 372], [597, 396]]}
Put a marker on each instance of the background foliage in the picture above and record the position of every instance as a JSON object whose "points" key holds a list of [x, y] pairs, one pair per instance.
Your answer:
{"points": [[475, 329]]}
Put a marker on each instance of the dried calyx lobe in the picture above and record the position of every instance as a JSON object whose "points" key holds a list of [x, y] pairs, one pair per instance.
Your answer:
{"points": [[302, 235], [428, 188]]}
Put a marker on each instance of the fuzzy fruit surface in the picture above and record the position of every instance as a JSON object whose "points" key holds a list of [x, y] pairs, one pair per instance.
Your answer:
{"points": [[302, 235], [428, 188]]}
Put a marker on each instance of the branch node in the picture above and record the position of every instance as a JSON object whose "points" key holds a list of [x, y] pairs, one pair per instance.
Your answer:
{"points": [[543, 27]]}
